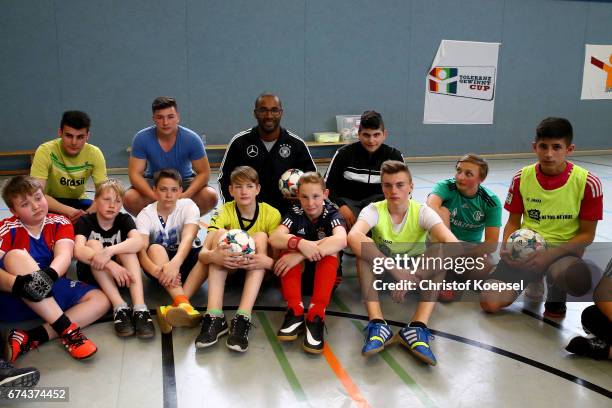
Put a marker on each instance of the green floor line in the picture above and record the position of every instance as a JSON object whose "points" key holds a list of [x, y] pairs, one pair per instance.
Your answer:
{"points": [[282, 358], [391, 362]]}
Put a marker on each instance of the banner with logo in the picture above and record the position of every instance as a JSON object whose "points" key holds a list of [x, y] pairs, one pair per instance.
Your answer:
{"points": [[460, 85], [597, 76]]}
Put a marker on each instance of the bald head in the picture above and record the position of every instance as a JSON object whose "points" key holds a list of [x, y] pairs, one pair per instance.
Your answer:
{"points": [[267, 95]]}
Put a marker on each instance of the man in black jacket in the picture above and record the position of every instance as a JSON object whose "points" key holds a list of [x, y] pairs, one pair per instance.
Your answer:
{"points": [[269, 149], [353, 176]]}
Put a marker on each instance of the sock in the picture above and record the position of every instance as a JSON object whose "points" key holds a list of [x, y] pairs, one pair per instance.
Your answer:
{"points": [[416, 323], [214, 312], [39, 334], [244, 313], [380, 321], [180, 299], [61, 324], [140, 308], [291, 285], [119, 307], [324, 279]]}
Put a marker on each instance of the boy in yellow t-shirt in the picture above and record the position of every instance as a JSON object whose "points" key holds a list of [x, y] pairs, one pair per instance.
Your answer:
{"points": [[258, 220], [64, 165]]}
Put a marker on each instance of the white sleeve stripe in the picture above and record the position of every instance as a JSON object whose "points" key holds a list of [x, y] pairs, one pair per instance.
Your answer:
{"points": [[595, 186], [331, 163], [9, 226]]}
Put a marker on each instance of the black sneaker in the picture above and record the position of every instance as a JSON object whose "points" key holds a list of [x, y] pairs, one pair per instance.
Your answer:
{"points": [[238, 338], [143, 324], [213, 327], [292, 326], [589, 347], [313, 340], [123, 322], [11, 377]]}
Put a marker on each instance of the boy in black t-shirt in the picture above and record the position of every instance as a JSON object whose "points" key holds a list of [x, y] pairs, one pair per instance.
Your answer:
{"points": [[313, 234], [106, 247]]}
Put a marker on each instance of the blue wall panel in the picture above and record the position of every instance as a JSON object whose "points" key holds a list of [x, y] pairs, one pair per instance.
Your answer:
{"points": [[111, 58]]}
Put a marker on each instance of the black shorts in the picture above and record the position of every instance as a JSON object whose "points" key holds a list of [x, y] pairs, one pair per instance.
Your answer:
{"points": [[84, 273], [186, 267]]}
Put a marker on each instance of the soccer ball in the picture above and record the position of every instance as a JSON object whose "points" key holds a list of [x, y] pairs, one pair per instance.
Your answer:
{"points": [[523, 242], [288, 182], [239, 241]]}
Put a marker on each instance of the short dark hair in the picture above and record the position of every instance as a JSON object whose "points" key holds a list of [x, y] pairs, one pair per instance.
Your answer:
{"points": [[19, 186], [371, 120], [555, 128], [163, 102], [167, 173], [482, 164], [75, 119], [394, 167], [264, 94]]}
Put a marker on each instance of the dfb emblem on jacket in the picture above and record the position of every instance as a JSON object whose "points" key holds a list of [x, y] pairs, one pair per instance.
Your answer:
{"points": [[284, 151]]}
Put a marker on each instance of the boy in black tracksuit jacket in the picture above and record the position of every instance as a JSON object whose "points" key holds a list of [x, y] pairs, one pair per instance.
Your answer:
{"points": [[353, 176]]}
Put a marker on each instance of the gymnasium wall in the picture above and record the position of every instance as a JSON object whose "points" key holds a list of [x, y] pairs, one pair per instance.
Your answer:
{"points": [[111, 58]]}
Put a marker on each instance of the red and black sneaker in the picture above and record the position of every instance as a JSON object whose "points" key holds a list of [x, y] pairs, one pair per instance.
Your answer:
{"points": [[77, 344], [18, 343]]}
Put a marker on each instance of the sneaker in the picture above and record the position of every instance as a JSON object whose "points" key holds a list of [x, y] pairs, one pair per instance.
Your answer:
{"points": [[11, 377], [535, 290], [183, 315], [555, 310], [17, 344], [143, 324], [292, 326], [123, 322], [416, 339], [77, 344], [213, 327], [592, 347], [238, 338], [313, 340], [164, 326], [378, 336]]}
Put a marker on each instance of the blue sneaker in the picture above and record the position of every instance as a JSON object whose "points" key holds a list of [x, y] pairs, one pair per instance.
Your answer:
{"points": [[416, 339], [378, 335]]}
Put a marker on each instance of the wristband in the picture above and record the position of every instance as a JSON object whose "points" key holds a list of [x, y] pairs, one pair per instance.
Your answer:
{"points": [[293, 242]]}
